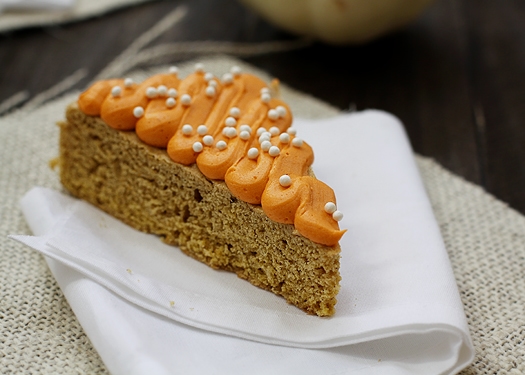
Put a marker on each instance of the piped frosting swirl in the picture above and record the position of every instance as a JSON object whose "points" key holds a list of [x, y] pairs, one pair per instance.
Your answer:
{"points": [[234, 130]]}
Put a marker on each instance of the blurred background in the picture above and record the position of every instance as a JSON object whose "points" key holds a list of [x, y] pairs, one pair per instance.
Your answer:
{"points": [[454, 75]]}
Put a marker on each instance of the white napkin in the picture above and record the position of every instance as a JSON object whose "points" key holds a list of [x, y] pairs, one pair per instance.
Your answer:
{"points": [[148, 308], [50, 5]]}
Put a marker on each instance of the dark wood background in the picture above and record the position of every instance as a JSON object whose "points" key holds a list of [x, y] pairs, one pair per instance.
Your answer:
{"points": [[455, 77]]}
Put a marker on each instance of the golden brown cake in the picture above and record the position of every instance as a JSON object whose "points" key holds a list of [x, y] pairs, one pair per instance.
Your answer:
{"points": [[210, 165]]}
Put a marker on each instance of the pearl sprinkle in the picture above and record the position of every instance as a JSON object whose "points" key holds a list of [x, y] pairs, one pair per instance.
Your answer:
{"points": [[210, 91], [330, 207], [221, 145], [138, 112], [284, 138], [265, 146], [285, 180], [235, 70], [199, 68], [230, 121], [174, 70], [151, 92], [229, 132], [235, 112], [185, 99], [128, 82], [197, 147], [170, 102], [281, 111], [273, 114], [202, 129], [274, 130], [292, 131], [162, 90], [208, 77], [187, 129], [266, 97], [244, 135], [260, 131], [337, 216], [274, 151], [227, 78], [297, 142], [253, 153], [172, 93], [246, 128], [207, 140], [116, 91]]}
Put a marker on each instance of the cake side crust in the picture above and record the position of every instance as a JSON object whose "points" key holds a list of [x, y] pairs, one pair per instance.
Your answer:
{"points": [[141, 186]]}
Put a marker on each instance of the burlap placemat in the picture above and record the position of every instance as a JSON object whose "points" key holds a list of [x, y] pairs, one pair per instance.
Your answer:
{"points": [[39, 333]]}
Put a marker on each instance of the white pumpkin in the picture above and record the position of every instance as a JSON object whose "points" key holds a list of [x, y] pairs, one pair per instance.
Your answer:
{"points": [[339, 21]]}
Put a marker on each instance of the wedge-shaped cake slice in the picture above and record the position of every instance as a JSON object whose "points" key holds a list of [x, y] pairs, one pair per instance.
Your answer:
{"points": [[210, 165]]}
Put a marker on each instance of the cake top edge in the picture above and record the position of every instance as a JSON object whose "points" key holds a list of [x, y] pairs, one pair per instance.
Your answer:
{"points": [[234, 128]]}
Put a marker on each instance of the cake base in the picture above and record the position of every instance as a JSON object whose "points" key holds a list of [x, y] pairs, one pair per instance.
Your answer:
{"points": [[141, 186]]}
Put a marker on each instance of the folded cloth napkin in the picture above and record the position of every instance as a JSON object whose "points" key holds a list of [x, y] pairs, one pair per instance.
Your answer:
{"points": [[148, 308], [50, 5]]}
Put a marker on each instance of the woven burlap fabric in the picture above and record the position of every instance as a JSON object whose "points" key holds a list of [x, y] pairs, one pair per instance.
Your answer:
{"points": [[39, 333]]}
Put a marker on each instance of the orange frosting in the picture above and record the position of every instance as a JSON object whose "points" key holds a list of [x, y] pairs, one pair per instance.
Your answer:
{"points": [[219, 126]]}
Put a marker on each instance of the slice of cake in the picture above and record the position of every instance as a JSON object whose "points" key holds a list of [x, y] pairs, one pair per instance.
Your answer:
{"points": [[210, 165]]}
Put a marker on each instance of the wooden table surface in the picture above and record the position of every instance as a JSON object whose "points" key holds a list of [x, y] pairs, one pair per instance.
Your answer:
{"points": [[455, 77]]}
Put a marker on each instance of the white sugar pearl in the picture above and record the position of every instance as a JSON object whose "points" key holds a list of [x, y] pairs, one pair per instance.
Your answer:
{"points": [[260, 131], [221, 145], [116, 91], [199, 68], [230, 132], [330, 207], [128, 82], [265, 137], [285, 180], [274, 130], [274, 151], [253, 153], [138, 112], [187, 129], [208, 77], [151, 92], [244, 135], [213, 83], [235, 112], [265, 97], [170, 102], [202, 129], [273, 114], [185, 99], [235, 70], [197, 147], [230, 121], [337, 215], [227, 78], [297, 142], [292, 131], [174, 70], [284, 138], [281, 111], [210, 91], [162, 90], [265, 146], [246, 128], [172, 93], [265, 90], [207, 140]]}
